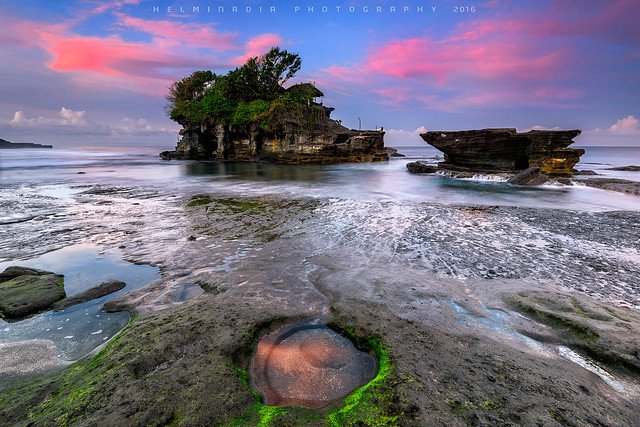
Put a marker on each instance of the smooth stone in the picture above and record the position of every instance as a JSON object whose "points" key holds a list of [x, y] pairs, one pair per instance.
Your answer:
{"points": [[104, 288], [17, 271], [308, 364], [26, 291], [393, 152]]}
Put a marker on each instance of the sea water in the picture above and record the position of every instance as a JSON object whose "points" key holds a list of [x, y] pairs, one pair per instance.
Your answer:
{"points": [[54, 173]]}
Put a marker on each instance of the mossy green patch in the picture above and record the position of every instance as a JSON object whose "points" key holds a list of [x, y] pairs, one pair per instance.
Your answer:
{"points": [[235, 205], [200, 200], [579, 309], [556, 415], [211, 288], [376, 403], [71, 401]]}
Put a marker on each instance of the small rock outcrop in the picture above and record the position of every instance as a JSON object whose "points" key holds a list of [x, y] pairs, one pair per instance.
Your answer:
{"points": [[421, 167], [104, 288], [26, 291], [531, 176], [504, 150], [9, 145], [393, 152], [612, 184], [631, 168]]}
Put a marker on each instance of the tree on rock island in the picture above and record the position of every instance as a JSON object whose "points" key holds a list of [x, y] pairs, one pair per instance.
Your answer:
{"points": [[252, 94]]}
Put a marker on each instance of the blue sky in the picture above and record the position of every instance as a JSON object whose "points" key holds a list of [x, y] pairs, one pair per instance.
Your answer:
{"points": [[96, 72]]}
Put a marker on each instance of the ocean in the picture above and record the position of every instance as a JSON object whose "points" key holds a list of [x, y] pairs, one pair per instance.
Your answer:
{"points": [[52, 172]]}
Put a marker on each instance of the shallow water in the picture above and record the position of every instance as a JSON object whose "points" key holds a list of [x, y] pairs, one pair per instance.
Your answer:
{"points": [[377, 181], [308, 364], [78, 329], [344, 218]]}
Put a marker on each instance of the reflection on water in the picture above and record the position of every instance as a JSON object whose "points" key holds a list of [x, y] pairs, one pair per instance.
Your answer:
{"points": [[79, 329], [257, 171], [387, 181]]}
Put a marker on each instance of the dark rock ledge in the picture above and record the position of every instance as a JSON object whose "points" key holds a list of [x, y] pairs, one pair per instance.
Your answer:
{"points": [[504, 150]]}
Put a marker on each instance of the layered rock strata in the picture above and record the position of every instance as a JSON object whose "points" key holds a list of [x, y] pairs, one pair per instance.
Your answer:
{"points": [[327, 142], [504, 150]]}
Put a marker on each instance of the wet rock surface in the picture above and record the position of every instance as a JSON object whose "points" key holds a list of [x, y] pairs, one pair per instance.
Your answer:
{"points": [[421, 167], [394, 271], [608, 335], [26, 291], [308, 364], [631, 168], [531, 176], [613, 184], [505, 150], [393, 152], [104, 288]]}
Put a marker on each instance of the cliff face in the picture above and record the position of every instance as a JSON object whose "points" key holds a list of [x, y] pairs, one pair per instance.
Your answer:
{"points": [[326, 141], [505, 150]]}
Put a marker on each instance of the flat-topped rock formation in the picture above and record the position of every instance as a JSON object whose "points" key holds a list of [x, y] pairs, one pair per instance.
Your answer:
{"points": [[506, 150]]}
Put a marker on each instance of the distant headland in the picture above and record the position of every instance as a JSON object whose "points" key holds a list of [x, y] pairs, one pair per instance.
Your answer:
{"points": [[248, 115], [8, 145]]}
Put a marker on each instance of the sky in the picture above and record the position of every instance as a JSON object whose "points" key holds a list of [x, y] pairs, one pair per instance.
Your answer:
{"points": [[96, 72]]}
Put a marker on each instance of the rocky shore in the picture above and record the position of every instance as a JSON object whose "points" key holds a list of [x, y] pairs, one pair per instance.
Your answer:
{"points": [[474, 313]]}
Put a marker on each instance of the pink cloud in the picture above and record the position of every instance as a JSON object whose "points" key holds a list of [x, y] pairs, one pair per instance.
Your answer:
{"points": [[477, 56], [105, 55], [105, 62], [528, 59], [259, 45], [172, 33]]}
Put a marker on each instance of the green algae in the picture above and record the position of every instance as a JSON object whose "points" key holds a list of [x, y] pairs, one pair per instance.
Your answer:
{"points": [[233, 206], [370, 403], [72, 399], [579, 309], [200, 200]]}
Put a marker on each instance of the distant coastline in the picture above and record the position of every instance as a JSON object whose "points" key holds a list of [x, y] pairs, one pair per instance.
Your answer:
{"points": [[4, 144]]}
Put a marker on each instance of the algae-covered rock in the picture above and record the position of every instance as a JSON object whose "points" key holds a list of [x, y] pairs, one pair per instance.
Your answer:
{"points": [[104, 288], [26, 291]]}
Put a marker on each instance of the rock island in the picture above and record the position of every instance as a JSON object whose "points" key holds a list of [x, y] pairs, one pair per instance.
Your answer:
{"points": [[504, 150], [248, 115]]}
